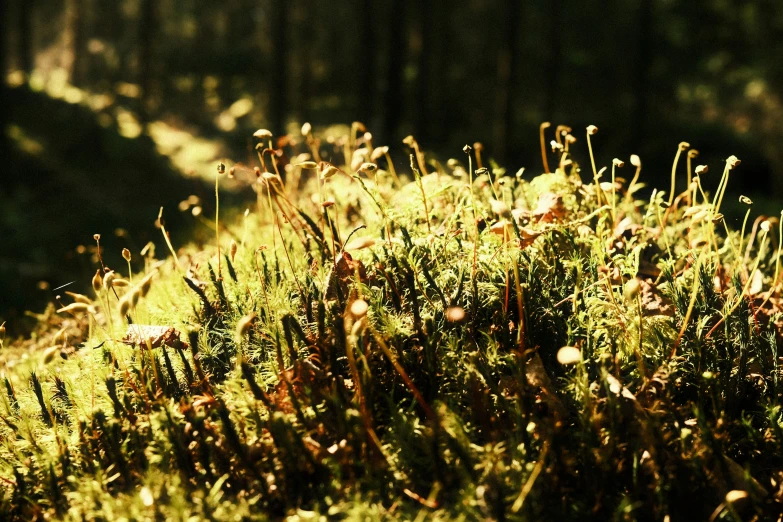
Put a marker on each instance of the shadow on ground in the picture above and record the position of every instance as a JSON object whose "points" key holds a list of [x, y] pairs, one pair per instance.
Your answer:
{"points": [[69, 173]]}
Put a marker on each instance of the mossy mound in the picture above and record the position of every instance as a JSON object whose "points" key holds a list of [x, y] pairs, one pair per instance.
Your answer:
{"points": [[489, 346]]}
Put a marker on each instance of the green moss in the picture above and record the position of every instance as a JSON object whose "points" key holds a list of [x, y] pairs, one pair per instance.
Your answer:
{"points": [[447, 400]]}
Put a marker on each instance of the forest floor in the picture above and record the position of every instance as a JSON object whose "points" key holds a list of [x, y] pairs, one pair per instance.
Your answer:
{"points": [[451, 342], [83, 158]]}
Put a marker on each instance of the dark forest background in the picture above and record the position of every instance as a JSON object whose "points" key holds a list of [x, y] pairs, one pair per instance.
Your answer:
{"points": [[97, 94]]}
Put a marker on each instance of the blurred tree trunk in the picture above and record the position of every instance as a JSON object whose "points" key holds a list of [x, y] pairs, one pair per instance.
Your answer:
{"points": [[393, 96], [307, 19], [506, 75], [3, 41], [4, 109], [424, 87], [207, 44], [366, 65], [243, 28], [555, 63], [74, 36], [642, 76], [26, 52], [147, 30], [441, 99], [279, 98], [109, 27]]}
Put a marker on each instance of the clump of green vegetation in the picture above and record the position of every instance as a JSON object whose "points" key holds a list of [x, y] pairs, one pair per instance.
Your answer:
{"points": [[470, 344]]}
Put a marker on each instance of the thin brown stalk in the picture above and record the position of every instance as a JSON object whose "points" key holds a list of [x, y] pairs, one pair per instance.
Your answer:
{"points": [[542, 139]]}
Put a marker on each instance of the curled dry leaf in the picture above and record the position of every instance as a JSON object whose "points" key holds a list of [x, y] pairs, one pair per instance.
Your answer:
{"points": [[537, 377], [550, 207], [528, 236], [654, 302], [499, 228], [613, 273], [344, 270], [626, 229], [302, 376], [138, 334]]}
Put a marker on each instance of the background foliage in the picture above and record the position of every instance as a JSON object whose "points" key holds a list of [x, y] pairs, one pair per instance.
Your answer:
{"points": [[648, 73]]}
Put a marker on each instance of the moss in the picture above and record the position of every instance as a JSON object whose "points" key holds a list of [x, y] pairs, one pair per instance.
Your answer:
{"points": [[409, 411]]}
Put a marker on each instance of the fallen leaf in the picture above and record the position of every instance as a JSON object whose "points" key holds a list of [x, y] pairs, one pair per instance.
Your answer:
{"points": [[342, 273], [138, 334], [653, 302], [550, 207], [528, 236]]}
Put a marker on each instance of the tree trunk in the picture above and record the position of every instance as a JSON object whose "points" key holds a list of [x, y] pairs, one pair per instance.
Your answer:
{"points": [[554, 66], [108, 25], [147, 30], [4, 109], [366, 65], [278, 101], [307, 18], [441, 99], [26, 52], [3, 41], [507, 72], [424, 87], [393, 97], [74, 23], [642, 76]]}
